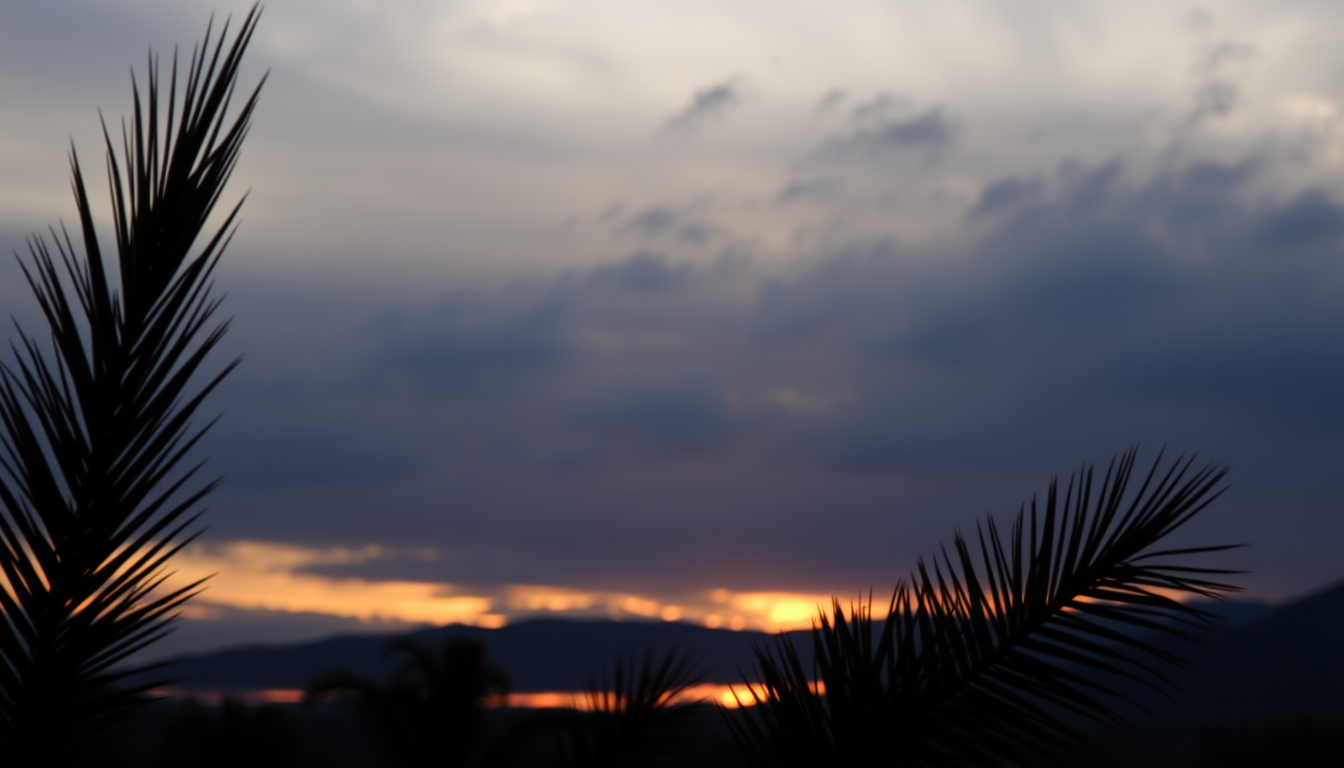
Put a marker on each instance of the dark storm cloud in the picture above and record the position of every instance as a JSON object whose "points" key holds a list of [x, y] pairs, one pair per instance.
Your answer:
{"points": [[484, 344], [707, 105], [342, 392], [1310, 220], [314, 440], [640, 423], [384, 389], [1091, 309], [1088, 297], [672, 415], [1289, 380], [467, 344]]}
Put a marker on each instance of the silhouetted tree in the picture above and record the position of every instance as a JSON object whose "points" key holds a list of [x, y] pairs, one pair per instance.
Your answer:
{"points": [[429, 713], [93, 430], [995, 653]]}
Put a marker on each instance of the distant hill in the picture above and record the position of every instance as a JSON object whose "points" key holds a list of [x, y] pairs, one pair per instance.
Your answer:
{"points": [[1265, 661], [540, 655], [1287, 662]]}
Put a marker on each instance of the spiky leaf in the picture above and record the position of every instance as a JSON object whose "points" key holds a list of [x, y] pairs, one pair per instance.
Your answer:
{"points": [[95, 494]]}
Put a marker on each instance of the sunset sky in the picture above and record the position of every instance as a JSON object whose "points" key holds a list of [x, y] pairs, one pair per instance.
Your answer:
{"points": [[706, 311]]}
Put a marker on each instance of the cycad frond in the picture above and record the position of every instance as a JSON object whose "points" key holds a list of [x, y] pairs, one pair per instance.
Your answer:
{"points": [[94, 499], [994, 653]]}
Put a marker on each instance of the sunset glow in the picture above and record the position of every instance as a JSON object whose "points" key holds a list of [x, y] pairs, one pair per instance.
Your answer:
{"points": [[519, 382], [544, 319], [280, 577], [729, 696], [251, 574]]}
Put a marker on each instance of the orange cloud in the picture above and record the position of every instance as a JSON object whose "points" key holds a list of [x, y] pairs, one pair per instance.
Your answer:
{"points": [[276, 577], [266, 575], [730, 696]]}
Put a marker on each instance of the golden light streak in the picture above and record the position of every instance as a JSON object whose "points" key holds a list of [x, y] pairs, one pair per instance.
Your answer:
{"points": [[250, 696], [264, 575], [271, 576], [535, 598], [542, 700], [718, 608], [744, 695], [276, 577], [729, 696], [777, 610], [641, 606]]}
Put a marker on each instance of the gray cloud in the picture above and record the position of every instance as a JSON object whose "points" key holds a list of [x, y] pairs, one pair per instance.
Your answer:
{"points": [[831, 100], [467, 343], [707, 105], [1008, 194], [1089, 297], [880, 110], [876, 385], [654, 221], [881, 129], [810, 189], [643, 273], [40, 45], [661, 223], [1310, 220], [270, 440], [1289, 381], [672, 415], [1217, 91], [1092, 309]]}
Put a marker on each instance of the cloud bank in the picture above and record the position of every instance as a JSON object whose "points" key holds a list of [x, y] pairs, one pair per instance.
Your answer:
{"points": [[585, 316]]}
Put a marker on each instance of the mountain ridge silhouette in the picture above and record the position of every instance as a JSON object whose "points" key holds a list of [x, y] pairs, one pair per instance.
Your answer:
{"points": [[1265, 660]]}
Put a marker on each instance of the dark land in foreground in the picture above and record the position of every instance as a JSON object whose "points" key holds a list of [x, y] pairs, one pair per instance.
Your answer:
{"points": [[1267, 691]]}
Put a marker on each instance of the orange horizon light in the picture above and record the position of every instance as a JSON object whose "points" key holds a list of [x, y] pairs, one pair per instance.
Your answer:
{"points": [[729, 696]]}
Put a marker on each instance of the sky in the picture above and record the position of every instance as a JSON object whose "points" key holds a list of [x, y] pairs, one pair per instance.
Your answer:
{"points": [[709, 311]]}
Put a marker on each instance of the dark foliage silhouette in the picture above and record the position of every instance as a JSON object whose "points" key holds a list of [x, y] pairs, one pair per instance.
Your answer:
{"points": [[632, 716], [1306, 742], [430, 713], [996, 653], [95, 496], [233, 734]]}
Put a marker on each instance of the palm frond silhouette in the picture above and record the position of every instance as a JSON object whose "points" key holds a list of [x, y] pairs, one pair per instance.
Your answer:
{"points": [[996, 653], [95, 494], [633, 716]]}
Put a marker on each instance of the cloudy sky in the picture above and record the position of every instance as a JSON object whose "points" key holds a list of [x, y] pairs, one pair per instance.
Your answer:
{"points": [[708, 311]]}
